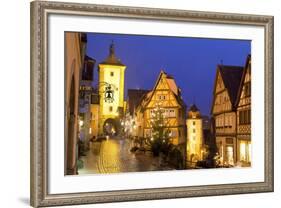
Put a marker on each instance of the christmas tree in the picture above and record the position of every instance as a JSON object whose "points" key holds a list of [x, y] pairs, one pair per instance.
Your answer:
{"points": [[160, 139]]}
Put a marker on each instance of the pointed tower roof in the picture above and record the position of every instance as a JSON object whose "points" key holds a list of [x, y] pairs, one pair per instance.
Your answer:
{"points": [[112, 59], [193, 108], [193, 112]]}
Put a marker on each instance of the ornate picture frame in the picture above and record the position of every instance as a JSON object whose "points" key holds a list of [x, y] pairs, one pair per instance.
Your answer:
{"points": [[40, 11]]}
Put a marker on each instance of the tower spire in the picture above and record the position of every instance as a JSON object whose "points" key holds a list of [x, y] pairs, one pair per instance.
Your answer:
{"points": [[111, 58], [111, 49]]}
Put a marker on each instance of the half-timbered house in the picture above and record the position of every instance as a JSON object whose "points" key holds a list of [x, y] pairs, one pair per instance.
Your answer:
{"points": [[167, 95], [227, 83], [244, 117]]}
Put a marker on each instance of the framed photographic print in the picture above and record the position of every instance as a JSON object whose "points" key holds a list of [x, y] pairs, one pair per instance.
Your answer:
{"points": [[143, 103]]}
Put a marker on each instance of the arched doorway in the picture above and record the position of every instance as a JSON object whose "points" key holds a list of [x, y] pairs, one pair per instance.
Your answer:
{"points": [[111, 127]]}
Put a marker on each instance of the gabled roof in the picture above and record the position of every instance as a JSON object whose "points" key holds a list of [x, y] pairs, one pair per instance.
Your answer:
{"points": [[231, 76], [135, 97], [172, 86], [247, 64], [112, 59]]}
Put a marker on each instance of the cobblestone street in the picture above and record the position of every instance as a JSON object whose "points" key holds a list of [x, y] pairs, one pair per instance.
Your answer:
{"points": [[114, 156]]}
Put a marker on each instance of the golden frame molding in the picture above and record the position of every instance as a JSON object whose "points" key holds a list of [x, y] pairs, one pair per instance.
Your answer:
{"points": [[39, 103]]}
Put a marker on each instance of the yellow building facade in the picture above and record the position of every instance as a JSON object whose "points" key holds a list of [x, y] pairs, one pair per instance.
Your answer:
{"points": [[111, 92], [165, 95], [194, 135]]}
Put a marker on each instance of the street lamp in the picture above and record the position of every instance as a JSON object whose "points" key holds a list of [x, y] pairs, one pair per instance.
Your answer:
{"points": [[81, 122]]}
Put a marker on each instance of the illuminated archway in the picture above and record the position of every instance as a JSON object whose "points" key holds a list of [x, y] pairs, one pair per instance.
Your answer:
{"points": [[111, 127]]}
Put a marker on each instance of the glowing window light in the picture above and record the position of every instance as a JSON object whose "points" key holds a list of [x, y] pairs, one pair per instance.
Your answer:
{"points": [[243, 151], [229, 153], [250, 152]]}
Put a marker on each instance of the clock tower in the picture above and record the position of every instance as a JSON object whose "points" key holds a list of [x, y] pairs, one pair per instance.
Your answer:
{"points": [[111, 93]]}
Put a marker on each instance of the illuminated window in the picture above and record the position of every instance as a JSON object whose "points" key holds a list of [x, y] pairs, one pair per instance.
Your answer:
{"points": [[173, 133], [250, 152], [226, 121], [172, 113], [245, 117], [162, 97], [243, 151], [229, 154], [230, 121]]}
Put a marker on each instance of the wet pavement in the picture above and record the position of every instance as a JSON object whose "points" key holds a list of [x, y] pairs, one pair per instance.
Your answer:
{"points": [[113, 156]]}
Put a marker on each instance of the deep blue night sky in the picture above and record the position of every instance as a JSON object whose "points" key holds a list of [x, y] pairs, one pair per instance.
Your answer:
{"points": [[191, 61]]}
